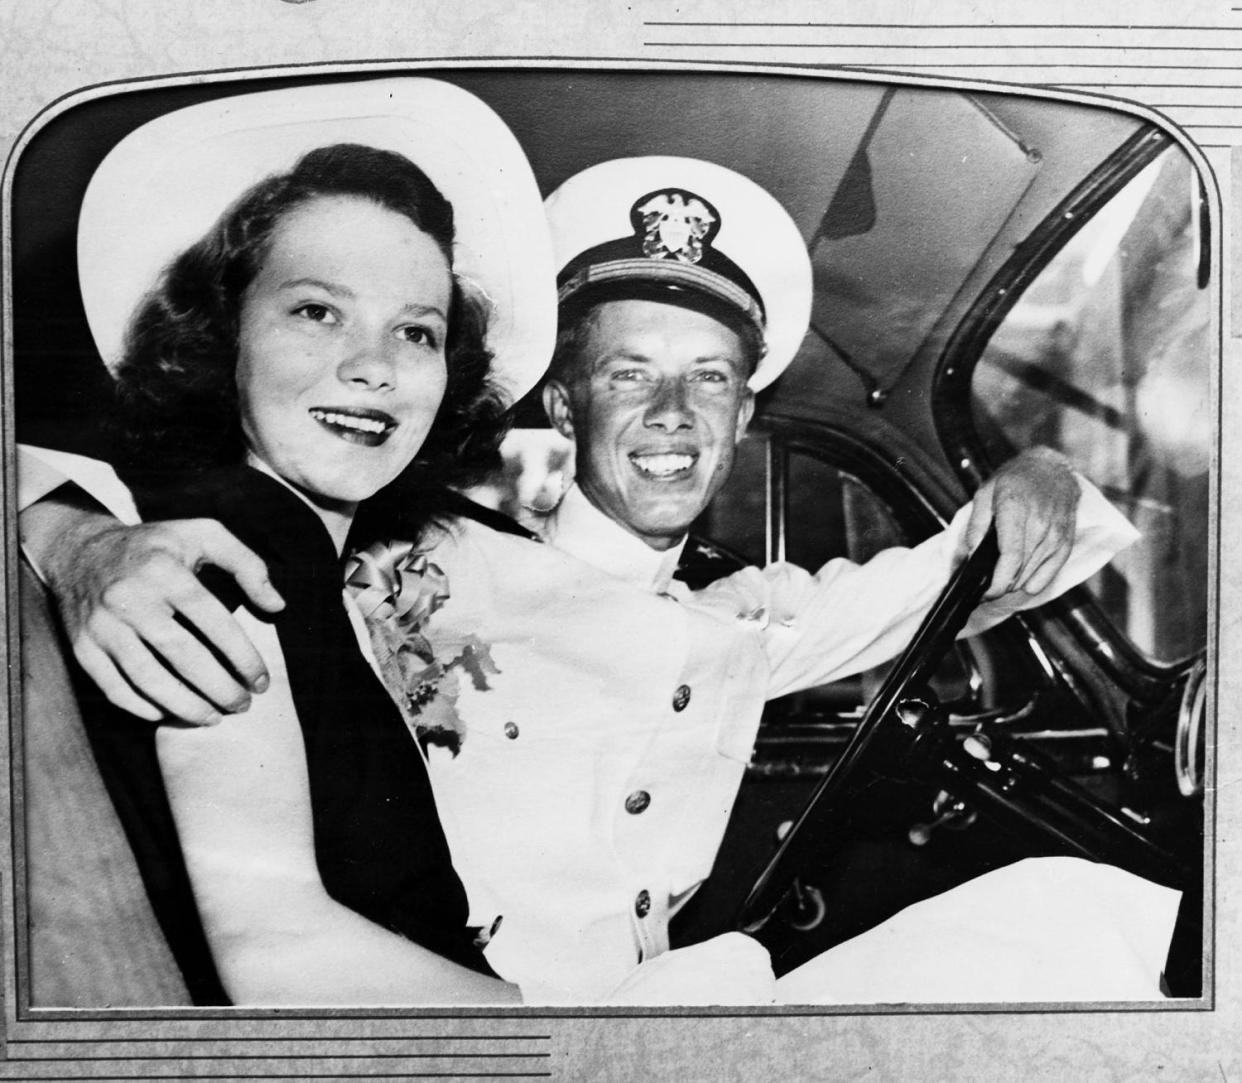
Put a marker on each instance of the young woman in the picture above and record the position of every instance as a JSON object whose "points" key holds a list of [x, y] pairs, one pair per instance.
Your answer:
{"points": [[313, 348]]}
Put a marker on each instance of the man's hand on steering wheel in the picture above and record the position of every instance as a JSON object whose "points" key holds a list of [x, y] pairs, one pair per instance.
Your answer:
{"points": [[1034, 501], [128, 598]]}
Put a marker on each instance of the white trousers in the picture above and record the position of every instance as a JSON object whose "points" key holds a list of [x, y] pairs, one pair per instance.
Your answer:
{"points": [[1045, 929]]}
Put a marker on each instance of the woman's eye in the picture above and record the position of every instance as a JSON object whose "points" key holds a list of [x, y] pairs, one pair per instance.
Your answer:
{"points": [[420, 336], [712, 376], [317, 312]]}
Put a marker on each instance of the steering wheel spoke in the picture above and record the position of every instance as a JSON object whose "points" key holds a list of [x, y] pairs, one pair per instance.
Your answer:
{"points": [[904, 712]]}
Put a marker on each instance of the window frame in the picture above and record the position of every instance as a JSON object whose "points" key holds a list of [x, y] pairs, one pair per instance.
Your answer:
{"points": [[953, 376]]}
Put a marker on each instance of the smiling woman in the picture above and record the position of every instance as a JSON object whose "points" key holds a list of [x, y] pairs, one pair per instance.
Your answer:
{"points": [[314, 346], [340, 364], [356, 347], [341, 294]]}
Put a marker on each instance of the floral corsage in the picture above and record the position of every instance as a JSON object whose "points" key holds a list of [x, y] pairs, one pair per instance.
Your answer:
{"points": [[398, 589]]}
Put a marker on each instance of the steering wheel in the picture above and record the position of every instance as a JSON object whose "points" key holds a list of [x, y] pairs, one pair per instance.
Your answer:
{"points": [[898, 694]]}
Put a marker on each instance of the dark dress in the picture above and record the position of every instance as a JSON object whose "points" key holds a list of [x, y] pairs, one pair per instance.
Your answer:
{"points": [[378, 841]]}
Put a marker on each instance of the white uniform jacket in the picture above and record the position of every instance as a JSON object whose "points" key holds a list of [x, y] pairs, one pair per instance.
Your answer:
{"points": [[599, 768]]}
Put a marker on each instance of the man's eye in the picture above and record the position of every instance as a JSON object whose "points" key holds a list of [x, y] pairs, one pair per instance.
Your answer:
{"points": [[317, 312], [627, 375]]}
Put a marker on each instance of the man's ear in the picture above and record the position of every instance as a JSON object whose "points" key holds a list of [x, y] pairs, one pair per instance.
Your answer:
{"points": [[557, 406], [745, 411]]}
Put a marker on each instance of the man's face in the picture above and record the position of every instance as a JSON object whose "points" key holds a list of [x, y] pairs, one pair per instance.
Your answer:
{"points": [[656, 408]]}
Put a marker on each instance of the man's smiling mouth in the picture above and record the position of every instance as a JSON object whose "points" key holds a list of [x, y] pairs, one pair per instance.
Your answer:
{"points": [[669, 464], [369, 427]]}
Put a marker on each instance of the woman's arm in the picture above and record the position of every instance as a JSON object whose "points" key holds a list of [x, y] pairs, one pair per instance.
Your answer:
{"points": [[241, 801]]}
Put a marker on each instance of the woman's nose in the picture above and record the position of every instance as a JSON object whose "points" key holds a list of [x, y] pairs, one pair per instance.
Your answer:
{"points": [[368, 364], [669, 408]]}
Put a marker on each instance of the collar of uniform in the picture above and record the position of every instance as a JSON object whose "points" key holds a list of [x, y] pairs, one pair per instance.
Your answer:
{"points": [[580, 529]]}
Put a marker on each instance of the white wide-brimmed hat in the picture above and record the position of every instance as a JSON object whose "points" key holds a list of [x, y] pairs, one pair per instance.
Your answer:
{"points": [[164, 186], [681, 224]]}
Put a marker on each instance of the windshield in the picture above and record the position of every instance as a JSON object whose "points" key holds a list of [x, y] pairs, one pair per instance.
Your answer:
{"points": [[1107, 357]]}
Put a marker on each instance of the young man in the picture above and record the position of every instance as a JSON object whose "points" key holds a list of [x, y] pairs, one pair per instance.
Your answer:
{"points": [[599, 755]]}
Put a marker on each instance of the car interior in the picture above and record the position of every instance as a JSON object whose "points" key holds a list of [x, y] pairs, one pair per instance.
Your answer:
{"points": [[993, 271]]}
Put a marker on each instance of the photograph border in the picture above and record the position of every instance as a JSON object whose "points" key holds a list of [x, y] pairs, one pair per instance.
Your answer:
{"points": [[14, 903]]}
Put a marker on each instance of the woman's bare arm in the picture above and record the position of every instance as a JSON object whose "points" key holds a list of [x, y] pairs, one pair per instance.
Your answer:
{"points": [[241, 800]]}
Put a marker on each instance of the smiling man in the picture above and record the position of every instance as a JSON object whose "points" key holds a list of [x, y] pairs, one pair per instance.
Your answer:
{"points": [[610, 711], [597, 770], [685, 288], [656, 400]]}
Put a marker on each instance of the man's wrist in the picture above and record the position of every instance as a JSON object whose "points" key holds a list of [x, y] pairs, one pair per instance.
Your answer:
{"points": [[54, 527]]}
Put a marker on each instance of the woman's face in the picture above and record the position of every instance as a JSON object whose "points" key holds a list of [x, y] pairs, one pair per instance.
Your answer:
{"points": [[340, 366]]}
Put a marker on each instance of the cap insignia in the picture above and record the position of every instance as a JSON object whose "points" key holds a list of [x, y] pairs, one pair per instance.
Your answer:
{"points": [[674, 224]]}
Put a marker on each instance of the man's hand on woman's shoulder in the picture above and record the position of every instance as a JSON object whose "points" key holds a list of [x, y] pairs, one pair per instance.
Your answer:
{"points": [[138, 619]]}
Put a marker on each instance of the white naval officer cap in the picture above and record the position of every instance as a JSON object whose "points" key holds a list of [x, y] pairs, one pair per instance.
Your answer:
{"points": [[162, 187], [674, 228]]}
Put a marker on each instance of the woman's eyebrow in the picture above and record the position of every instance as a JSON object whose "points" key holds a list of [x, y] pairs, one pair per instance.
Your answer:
{"points": [[414, 309], [328, 287]]}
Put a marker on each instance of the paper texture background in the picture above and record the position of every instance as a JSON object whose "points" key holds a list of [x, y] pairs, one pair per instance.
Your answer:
{"points": [[1183, 59]]}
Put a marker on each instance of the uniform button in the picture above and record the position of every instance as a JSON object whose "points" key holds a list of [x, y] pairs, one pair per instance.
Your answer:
{"points": [[637, 802], [681, 697], [511, 730], [642, 904]]}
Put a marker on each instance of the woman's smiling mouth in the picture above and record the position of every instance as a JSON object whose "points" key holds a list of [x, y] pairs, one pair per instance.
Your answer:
{"points": [[358, 426]]}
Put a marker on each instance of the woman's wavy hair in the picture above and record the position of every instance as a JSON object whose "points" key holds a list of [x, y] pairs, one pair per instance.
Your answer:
{"points": [[178, 409]]}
